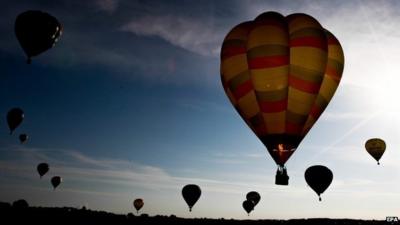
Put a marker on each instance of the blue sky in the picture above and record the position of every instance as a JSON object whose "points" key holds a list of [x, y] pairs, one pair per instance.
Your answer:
{"points": [[129, 104]]}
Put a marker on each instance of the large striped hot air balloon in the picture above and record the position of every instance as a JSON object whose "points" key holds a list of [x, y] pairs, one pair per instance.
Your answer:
{"points": [[280, 74]]}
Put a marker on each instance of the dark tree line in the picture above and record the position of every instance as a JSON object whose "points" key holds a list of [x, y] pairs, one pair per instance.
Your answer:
{"points": [[20, 213]]}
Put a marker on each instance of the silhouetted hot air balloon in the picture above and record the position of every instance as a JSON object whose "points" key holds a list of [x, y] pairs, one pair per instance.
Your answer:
{"points": [[280, 74], [375, 147], [254, 197], [42, 169], [55, 181], [138, 204], [191, 193], [23, 138], [318, 178], [36, 31], [14, 118], [248, 206]]}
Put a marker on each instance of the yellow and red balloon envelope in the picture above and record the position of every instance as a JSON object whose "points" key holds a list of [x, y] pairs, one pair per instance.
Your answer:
{"points": [[280, 74]]}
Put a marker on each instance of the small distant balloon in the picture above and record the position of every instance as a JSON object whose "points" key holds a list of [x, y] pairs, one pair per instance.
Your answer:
{"points": [[254, 197], [138, 204], [14, 118], [248, 206], [318, 178], [375, 147], [191, 193], [55, 181], [23, 138], [42, 169], [37, 32]]}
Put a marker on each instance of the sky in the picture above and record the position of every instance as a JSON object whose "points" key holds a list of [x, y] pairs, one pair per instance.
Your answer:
{"points": [[129, 104]]}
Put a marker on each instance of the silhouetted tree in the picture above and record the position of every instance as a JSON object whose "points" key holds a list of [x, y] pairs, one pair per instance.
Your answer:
{"points": [[21, 204]]}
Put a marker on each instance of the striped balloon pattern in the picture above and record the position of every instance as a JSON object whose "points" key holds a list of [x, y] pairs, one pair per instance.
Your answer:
{"points": [[280, 73]]}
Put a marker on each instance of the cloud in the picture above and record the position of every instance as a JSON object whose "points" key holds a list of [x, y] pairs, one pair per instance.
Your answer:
{"points": [[77, 168], [236, 158], [334, 116], [192, 34], [109, 6]]}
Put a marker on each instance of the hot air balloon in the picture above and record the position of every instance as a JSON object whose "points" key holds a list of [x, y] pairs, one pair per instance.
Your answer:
{"points": [[55, 181], [254, 197], [191, 193], [280, 74], [248, 206], [138, 204], [23, 138], [375, 147], [14, 118], [42, 169], [318, 178], [36, 31]]}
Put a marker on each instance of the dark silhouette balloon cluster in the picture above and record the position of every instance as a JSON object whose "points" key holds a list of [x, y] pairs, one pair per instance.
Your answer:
{"points": [[36, 32], [15, 116], [42, 169], [252, 199]]}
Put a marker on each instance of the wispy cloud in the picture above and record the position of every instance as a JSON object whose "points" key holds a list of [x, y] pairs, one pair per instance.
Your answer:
{"points": [[195, 35], [109, 6], [335, 116], [78, 167], [236, 158]]}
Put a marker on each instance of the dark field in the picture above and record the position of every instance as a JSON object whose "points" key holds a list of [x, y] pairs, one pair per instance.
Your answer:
{"points": [[23, 214]]}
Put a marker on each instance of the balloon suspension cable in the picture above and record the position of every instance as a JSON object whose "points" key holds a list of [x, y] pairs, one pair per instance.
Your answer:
{"points": [[137, 212], [190, 209]]}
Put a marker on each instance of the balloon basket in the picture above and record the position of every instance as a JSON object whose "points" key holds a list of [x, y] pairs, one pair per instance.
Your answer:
{"points": [[281, 177]]}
